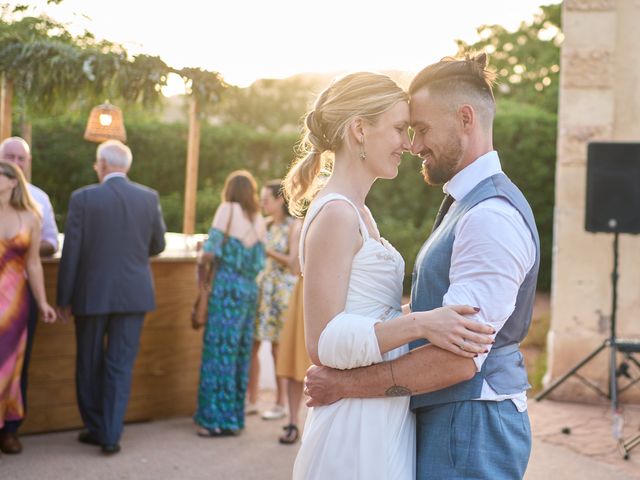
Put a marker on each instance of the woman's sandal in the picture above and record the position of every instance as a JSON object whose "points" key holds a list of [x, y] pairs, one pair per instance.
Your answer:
{"points": [[216, 432], [290, 436]]}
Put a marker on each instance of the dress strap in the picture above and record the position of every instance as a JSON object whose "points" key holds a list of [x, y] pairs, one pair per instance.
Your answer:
{"points": [[313, 211]]}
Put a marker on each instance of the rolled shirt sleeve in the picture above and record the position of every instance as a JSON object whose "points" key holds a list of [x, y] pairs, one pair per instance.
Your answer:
{"points": [[492, 253]]}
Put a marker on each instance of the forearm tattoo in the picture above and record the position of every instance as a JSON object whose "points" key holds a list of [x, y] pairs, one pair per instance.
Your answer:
{"points": [[396, 390]]}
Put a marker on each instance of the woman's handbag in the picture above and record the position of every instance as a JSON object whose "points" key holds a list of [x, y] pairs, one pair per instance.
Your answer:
{"points": [[206, 276]]}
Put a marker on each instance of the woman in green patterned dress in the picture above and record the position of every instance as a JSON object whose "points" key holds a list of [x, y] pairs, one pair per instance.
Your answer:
{"points": [[228, 334], [276, 285]]}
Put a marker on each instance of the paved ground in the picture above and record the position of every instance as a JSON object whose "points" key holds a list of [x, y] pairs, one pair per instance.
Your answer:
{"points": [[589, 450], [170, 449]]}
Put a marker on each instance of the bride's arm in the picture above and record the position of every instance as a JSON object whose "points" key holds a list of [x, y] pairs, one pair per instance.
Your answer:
{"points": [[334, 337], [330, 244], [445, 327]]}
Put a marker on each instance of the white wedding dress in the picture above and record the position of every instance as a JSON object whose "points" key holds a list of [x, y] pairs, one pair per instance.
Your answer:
{"points": [[360, 438]]}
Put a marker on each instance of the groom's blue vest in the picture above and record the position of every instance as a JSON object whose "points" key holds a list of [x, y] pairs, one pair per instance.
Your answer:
{"points": [[504, 368]]}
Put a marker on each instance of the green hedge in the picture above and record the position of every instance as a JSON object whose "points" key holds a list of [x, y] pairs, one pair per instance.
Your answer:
{"points": [[62, 161], [526, 139], [404, 208]]}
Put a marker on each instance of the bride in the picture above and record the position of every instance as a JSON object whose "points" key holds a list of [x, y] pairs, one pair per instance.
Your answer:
{"points": [[353, 280]]}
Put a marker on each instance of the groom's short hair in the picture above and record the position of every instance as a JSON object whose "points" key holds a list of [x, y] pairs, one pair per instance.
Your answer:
{"points": [[465, 80]]}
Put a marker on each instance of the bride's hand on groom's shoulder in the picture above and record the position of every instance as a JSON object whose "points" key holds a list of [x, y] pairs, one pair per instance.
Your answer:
{"points": [[450, 328], [320, 386]]}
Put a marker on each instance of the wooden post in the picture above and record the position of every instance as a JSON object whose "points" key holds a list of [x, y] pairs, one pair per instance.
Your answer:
{"points": [[26, 133], [191, 174], [6, 97]]}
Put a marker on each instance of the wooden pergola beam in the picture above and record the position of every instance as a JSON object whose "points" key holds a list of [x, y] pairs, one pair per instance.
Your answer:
{"points": [[191, 174], [6, 98]]}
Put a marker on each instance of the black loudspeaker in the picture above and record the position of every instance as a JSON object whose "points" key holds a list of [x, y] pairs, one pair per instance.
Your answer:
{"points": [[613, 187]]}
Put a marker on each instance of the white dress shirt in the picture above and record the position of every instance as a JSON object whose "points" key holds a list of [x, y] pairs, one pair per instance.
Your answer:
{"points": [[49, 229], [492, 253], [113, 175]]}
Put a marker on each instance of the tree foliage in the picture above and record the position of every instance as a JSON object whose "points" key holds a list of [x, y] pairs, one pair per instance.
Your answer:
{"points": [[257, 127], [527, 60], [274, 105], [205, 86], [53, 71]]}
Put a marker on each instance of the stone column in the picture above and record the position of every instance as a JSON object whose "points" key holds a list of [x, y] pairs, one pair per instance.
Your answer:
{"points": [[599, 101]]}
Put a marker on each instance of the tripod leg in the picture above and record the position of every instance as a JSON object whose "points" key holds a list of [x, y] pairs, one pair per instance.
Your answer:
{"points": [[626, 446], [632, 359], [561, 380], [630, 445], [613, 379]]}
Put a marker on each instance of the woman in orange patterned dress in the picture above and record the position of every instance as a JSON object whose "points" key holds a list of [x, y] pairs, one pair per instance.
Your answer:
{"points": [[19, 264]]}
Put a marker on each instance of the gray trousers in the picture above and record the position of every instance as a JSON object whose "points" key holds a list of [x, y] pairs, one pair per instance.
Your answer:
{"points": [[107, 346]]}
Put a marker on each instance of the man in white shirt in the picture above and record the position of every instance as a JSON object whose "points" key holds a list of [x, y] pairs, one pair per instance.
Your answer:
{"points": [[16, 150], [471, 418]]}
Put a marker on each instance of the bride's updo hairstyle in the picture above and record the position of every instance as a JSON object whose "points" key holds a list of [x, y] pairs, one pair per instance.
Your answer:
{"points": [[365, 95]]}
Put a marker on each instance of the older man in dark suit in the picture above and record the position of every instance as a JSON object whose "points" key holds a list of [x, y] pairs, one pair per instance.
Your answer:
{"points": [[105, 281]]}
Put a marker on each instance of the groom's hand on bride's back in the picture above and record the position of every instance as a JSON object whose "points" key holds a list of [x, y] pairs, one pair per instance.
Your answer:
{"points": [[321, 386]]}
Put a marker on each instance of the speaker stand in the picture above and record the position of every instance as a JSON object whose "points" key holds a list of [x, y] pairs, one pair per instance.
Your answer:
{"points": [[627, 348]]}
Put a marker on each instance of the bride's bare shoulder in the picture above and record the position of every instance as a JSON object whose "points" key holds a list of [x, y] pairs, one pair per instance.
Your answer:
{"points": [[336, 222]]}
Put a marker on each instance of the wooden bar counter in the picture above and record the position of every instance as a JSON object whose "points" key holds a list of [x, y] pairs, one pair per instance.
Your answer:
{"points": [[166, 372]]}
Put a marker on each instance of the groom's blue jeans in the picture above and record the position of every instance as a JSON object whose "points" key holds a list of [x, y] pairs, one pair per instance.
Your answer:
{"points": [[472, 440]]}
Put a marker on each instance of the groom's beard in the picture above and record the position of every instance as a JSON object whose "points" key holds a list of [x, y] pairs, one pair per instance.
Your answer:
{"points": [[442, 168]]}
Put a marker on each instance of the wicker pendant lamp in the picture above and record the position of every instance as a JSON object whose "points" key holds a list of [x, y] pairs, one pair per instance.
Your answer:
{"points": [[105, 123]]}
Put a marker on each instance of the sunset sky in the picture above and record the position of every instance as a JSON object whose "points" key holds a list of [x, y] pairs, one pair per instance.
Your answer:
{"points": [[247, 40]]}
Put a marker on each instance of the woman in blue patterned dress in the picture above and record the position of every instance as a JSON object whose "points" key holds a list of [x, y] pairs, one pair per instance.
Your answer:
{"points": [[276, 285], [228, 334]]}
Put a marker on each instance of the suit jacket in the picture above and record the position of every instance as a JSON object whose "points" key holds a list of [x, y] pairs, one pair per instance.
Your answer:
{"points": [[112, 228]]}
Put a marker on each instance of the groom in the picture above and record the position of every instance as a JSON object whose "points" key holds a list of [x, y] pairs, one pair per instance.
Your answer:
{"points": [[471, 414]]}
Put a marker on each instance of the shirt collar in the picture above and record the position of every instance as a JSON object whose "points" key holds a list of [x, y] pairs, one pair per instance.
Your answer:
{"points": [[466, 179], [111, 175]]}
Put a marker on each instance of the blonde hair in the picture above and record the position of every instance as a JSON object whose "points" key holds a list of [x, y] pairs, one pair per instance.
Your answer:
{"points": [[20, 198], [363, 94]]}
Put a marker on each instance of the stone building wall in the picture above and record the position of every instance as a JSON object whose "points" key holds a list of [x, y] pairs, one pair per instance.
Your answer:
{"points": [[599, 101]]}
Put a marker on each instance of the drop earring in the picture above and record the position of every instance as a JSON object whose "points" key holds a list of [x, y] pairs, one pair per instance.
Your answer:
{"points": [[363, 154]]}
